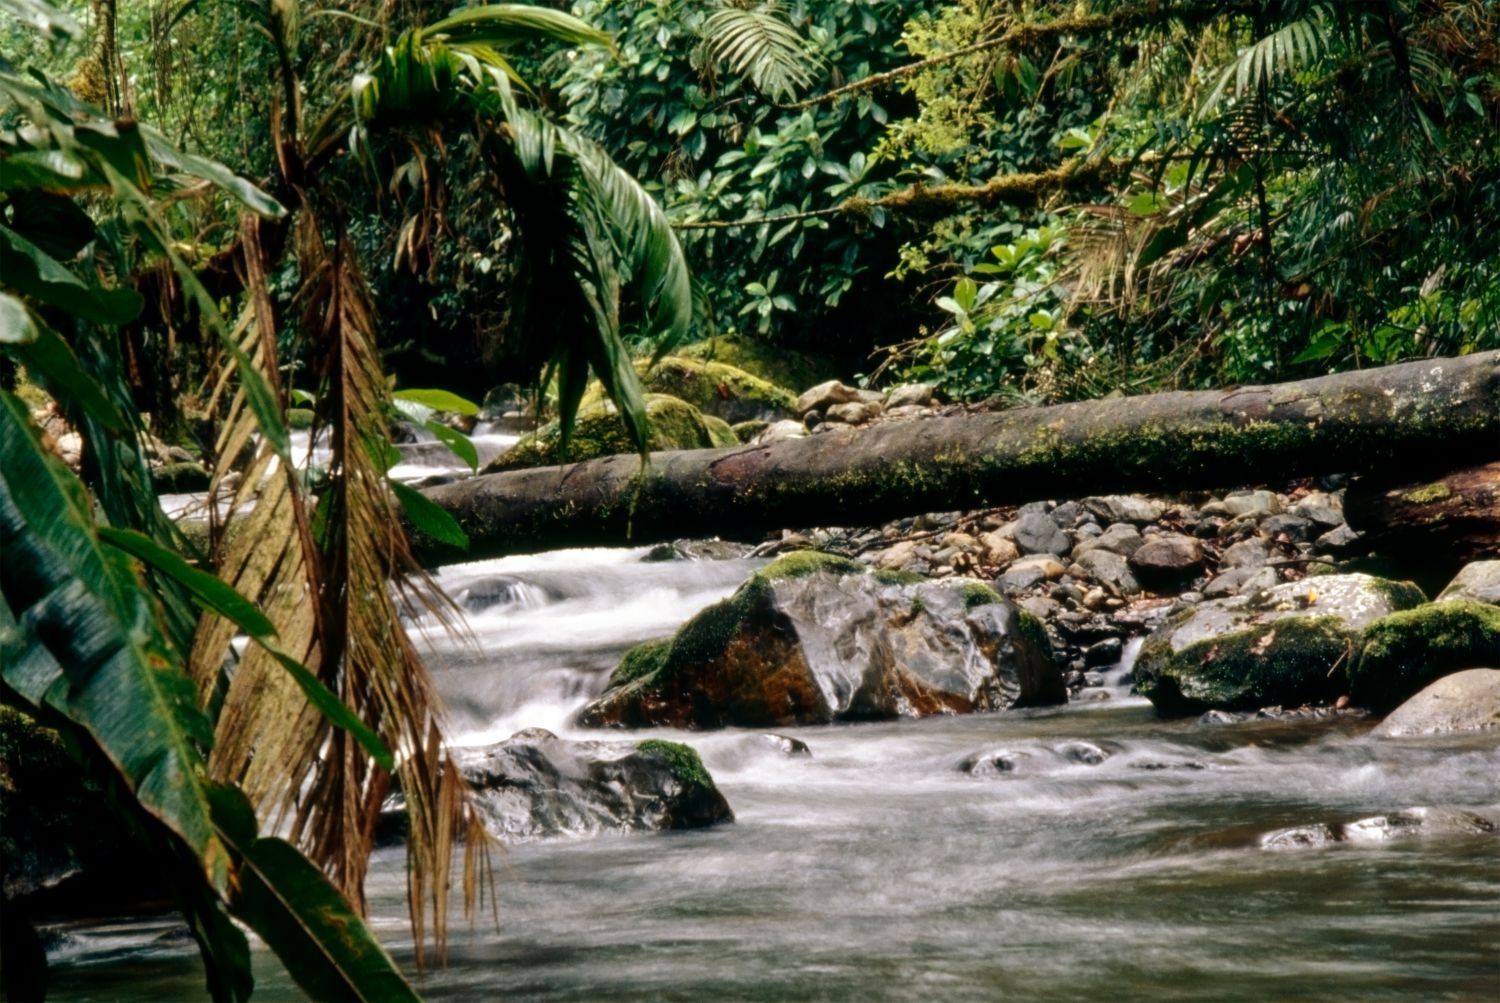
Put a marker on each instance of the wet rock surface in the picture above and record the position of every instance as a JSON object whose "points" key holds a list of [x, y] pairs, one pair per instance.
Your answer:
{"points": [[1280, 646], [814, 639], [1466, 701], [1409, 823], [1479, 581], [535, 785]]}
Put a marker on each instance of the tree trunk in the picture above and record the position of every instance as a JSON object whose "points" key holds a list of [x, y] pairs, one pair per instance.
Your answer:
{"points": [[1430, 415], [1428, 529]]}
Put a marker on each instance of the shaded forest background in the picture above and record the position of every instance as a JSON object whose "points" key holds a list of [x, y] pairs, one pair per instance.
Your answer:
{"points": [[1041, 201]]}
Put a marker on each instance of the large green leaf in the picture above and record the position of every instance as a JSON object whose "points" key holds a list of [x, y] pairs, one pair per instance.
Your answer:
{"points": [[455, 440], [325, 946], [86, 640], [30, 271], [438, 400], [502, 25], [16, 325], [427, 517]]}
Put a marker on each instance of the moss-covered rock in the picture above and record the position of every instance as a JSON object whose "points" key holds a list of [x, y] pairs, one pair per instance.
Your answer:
{"points": [[683, 760], [535, 784], [1277, 646], [747, 430], [813, 638], [56, 824], [720, 433], [771, 363], [713, 388], [1405, 651], [598, 431], [180, 478]]}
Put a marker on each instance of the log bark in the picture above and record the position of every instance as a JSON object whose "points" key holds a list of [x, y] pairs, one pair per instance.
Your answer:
{"points": [[1429, 528], [1419, 416]]}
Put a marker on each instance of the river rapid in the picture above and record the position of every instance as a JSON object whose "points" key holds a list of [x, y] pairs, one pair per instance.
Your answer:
{"points": [[1118, 859]]}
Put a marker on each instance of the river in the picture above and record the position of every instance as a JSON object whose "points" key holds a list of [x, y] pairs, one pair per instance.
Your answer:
{"points": [[1117, 860]]}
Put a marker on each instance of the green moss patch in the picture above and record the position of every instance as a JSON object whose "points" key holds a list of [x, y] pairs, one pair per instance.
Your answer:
{"points": [[1284, 662], [645, 659], [1403, 652], [719, 432], [682, 760], [886, 577], [800, 563], [1428, 494], [599, 431], [979, 594], [1033, 631]]}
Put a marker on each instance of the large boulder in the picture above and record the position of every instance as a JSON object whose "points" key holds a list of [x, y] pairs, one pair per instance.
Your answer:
{"points": [[1479, 581], [813, 638], [721, 390], [598, 431], [1461, 702], [1405, 651], [535, 784], [1275, 646]]}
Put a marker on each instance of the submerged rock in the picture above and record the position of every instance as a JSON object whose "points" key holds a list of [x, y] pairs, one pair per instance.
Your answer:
{"points": [[1405, 651], [1461, 702], [1276, 646], [1405, 824], [813, 638], [535, 784]]}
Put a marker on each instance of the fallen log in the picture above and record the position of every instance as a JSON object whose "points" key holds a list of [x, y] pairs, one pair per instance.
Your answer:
{"points": [[1415, 417]]}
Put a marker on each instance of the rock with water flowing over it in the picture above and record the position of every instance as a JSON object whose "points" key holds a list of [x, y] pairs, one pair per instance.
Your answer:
{"points": [[1462, 702], [812, 639], [535, 784], [1409, 823], [1281, 645]]}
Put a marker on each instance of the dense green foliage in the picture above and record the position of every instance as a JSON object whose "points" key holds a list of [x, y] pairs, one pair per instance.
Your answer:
{"points": [[1085, 196]]}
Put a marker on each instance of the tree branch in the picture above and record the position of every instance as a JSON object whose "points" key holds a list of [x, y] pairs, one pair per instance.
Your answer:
{"points": [[1030, 33]]}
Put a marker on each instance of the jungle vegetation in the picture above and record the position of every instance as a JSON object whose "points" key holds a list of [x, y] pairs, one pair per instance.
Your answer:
{"points": [[214, 212]]}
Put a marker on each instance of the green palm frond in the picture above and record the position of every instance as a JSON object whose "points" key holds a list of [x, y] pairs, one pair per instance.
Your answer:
{"points": [[1274, 59], [759, 44], [596, 241], [500, 26]]}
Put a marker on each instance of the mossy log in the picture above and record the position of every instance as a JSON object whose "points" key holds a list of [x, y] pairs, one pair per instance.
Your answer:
{"points": [[1401, 417], [1430, 527]]}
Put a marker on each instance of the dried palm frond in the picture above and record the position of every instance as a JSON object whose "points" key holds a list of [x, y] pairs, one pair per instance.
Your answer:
{"points": [[324, 579]]}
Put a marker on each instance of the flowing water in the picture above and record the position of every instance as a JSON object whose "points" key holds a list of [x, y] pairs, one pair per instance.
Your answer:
{"points": [[1118, 859]]}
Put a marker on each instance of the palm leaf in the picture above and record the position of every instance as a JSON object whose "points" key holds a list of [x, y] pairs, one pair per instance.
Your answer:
{"points": [[1277, 57], [759, 44], [594, 239], [502, 25]]}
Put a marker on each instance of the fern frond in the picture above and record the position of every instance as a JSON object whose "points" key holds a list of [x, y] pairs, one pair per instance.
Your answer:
{"points": [[760, 45]]}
